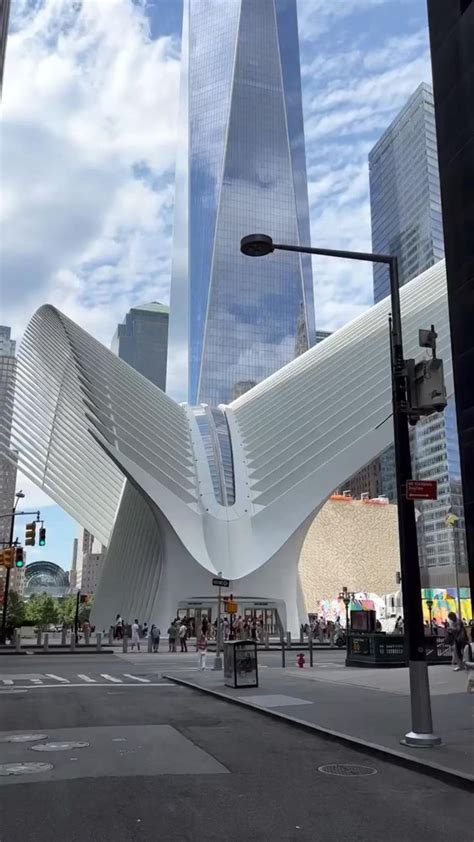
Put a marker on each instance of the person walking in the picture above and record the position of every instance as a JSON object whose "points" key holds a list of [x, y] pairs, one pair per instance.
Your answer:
{"points": [[457, 638], [135, 635], [155, 637], [183, 633], [172, 632], [118, 627], [201, 646], [145, 631]]}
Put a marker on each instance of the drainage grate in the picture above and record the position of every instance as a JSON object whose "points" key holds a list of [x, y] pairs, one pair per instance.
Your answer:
{"points": [[347, 770], [24, 768], [65, 746], [24, 738]]}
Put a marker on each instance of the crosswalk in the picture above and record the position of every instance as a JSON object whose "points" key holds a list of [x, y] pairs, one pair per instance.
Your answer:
{"points": [[37, 680]]}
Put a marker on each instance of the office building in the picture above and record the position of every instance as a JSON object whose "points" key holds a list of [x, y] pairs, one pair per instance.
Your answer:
{"points": [[452, 57], [406, 221], [322, 334], [240, 168], [142, 341], [4, 18], [92, 564], [233, 489]]}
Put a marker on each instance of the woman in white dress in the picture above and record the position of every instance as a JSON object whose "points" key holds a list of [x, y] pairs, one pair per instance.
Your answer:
{"points": [[135, 635]]}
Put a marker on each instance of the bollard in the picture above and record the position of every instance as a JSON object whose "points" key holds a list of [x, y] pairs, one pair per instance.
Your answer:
{"points": [[87, 636], [310, 647], [73, 641], [267, 640], [38, 637], [150, 643], [46, 642], [111, 635], [18, 640], [301, 635], [64, 636], [283, 654], [125, 643], [288, 640], [98, 639]]}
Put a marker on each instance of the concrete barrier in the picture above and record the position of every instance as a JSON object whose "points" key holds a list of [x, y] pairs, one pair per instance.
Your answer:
{"points": [[64, 636], [98, 639], [73, 641], [125, 644], [38, 637], [111, 635], [150, 643], [17, 640]]}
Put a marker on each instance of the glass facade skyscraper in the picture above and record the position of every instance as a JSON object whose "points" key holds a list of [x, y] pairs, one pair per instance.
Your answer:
{"points": [[405, 198], [142, 341], [240, 168], [406, 221]]}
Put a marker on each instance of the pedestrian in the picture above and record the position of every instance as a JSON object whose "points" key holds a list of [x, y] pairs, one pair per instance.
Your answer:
{"points": [[201, 646], [118, 627], [145, 631], [183, 633], [457, 638], [205, 625], [398, 625], [172, 632], [155, 637], [136, 635]]}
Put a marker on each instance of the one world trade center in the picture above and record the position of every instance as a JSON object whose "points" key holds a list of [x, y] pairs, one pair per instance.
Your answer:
{"points": [[240, 169]]}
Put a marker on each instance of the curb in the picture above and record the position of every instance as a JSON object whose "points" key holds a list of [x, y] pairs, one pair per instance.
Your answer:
{"points": [[427, 767], [53, 651]]}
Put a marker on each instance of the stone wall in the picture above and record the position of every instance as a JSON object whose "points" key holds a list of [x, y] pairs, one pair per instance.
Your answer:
{"points": [[350, 543]]}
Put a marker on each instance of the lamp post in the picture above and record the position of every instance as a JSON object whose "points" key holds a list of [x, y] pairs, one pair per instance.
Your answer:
{"points": [[347, 597], [19, 496], [258, 245]]}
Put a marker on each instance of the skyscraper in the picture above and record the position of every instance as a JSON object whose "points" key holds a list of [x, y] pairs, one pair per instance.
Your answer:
{"points": [[142, 341], [452, 57], [4, 17], [407, 222], [405, 201], [240, 168]]}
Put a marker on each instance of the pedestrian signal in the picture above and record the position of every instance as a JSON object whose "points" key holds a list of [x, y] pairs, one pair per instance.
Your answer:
{"points": [[30, 534]]}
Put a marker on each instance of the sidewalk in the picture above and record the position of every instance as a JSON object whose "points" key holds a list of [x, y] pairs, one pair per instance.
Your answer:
{"points": [[369, 707]]}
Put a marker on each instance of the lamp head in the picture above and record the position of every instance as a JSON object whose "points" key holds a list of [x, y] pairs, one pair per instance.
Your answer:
{"points": [[256, 245]]}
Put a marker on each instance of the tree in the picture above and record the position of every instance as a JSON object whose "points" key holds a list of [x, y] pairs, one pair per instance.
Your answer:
{"points": [[15, 610], [67, 609], [47, 610]]}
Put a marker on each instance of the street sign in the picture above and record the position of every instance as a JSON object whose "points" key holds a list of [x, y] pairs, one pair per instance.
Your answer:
{"points": [[221, 583], [422, 489]]}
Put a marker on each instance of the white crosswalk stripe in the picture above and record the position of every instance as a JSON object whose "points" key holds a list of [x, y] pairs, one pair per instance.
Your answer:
{"points": [[111, 678], [136, 678], [57, 677], [36, 680], [86, 678]]}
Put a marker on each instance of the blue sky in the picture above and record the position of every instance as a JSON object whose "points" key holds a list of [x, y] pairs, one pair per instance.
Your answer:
{"points": [[90, 103]]}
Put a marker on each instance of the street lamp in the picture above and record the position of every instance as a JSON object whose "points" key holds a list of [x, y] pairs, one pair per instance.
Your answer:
{"points": [[347, 597], [258, 245]]}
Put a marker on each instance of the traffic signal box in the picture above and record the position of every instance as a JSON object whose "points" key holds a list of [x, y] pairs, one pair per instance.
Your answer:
{"points": [[30, 534], [12, 557]]}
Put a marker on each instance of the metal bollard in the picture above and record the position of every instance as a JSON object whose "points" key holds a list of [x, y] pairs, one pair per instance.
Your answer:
{"points": [[310, 647], [283, 653], [267, 640], [301, 635], [63, 636], [288, 640], [73, 641], [125, 643], [150, 643], [38, 637], [18, 640], [111, 635], [46, 642], [98, 639]]}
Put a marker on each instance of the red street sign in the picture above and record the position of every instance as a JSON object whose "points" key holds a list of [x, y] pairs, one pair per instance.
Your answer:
{"points": [[422, 489]]}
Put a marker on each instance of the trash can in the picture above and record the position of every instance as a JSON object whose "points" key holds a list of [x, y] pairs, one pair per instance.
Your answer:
{"points": [[240, 663]]}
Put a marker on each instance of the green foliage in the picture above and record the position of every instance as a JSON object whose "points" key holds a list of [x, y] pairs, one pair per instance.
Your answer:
{"points": [[15, 610], [42, 610], [67, 610]]}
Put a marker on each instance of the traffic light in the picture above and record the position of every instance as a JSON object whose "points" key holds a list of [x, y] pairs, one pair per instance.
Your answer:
{"points": [[6, 557], [30, 534], [19, 558], [42, 537], [84, 597]]}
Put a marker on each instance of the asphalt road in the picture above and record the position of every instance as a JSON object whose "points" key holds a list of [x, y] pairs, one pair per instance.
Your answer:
{"points": [[165, 764]]}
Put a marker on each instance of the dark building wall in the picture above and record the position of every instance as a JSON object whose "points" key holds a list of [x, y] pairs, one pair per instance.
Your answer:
{"points": [[451, 25], [142, 341]]}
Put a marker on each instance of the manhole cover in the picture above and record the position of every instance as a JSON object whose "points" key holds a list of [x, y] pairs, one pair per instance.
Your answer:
{"points": [[66, 746], [24, 768], [24, 738], [347, 770]]}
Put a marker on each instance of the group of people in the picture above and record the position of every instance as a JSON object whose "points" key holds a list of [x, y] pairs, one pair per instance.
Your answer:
{"points": [[136, 632]]}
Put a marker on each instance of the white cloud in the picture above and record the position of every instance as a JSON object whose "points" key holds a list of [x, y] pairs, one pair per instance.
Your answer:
{"points": [[89, 141]]}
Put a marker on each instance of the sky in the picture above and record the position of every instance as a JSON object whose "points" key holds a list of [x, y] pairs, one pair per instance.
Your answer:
{"points": [[89, 135]]}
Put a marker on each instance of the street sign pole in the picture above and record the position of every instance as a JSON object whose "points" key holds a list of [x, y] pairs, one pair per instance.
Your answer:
{"points": [[218, 658]]}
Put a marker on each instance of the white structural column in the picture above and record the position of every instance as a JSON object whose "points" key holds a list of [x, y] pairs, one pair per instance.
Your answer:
{"points": [[294, 438]]}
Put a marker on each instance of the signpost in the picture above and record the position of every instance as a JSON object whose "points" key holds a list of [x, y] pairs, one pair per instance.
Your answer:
{"points": [[218, 582], [422, 489]]}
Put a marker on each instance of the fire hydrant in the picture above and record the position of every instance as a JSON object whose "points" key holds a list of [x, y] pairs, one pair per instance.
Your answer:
{"points": [[300, 660]]}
